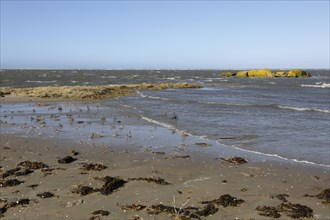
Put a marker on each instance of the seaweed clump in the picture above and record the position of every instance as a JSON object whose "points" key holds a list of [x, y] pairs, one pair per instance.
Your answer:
{"points": [[67, 159], [291, 210], [235, 160], [269, 211], [84, 190], [225, 200], [111, 184], [296, 210], [157, 180], [325, 194], [11, 182], [93, 166], [45, 195], [32, 165]]}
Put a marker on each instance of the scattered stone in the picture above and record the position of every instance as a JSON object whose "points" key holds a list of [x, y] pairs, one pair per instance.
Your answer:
{"points": [[226, 200], [45, 195], [157, 180], [133, 207], [11, 182], [94, 218], [296, 210], [269, 211], [67, 159], [235, 160], [84, 190], [325, 194], [93, 166], [32, 165], [101, 212]]}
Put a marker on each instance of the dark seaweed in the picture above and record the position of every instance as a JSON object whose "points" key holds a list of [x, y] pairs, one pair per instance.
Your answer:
{"points": [[67, 159], [32, 165]]}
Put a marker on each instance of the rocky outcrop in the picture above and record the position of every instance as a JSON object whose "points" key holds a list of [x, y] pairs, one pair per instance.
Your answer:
{"points": [[266, 73], [298, 73], [92, 92]]}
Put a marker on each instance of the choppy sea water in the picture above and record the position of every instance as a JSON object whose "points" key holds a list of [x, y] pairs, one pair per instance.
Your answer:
{"points": [[288, 118]]}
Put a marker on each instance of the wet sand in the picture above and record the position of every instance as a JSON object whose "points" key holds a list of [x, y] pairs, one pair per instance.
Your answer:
{"points": [[156, 166]]}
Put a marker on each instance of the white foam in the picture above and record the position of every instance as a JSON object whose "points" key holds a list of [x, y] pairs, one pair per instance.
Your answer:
{"points": [[322, 85], [305, 109], [38, 81], [277, 156], [150, 97]]}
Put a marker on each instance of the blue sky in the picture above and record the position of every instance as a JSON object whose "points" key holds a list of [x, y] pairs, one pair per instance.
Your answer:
{"points": [[164, 34]]}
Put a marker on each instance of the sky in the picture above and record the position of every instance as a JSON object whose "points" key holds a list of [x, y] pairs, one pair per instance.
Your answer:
{"points": [[164, 34]]}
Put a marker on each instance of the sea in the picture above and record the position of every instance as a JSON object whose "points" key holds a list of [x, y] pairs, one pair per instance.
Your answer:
{"points": [[287, 118]]}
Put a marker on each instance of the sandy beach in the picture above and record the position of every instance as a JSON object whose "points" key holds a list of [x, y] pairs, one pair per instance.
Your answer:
{"points": [[94, 163]]}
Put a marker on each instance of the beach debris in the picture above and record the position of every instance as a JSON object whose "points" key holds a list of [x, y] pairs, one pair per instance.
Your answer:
{"points": [[32, 165], [325, 194], [111, 184], [203, 144], [269, 211], [45, 195], [153, 179], [235, 160], [67, 159], [225, 200], [101, 212], [93, 166], [295, 210], [134, 207], [84, 190], [10, 182]]}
